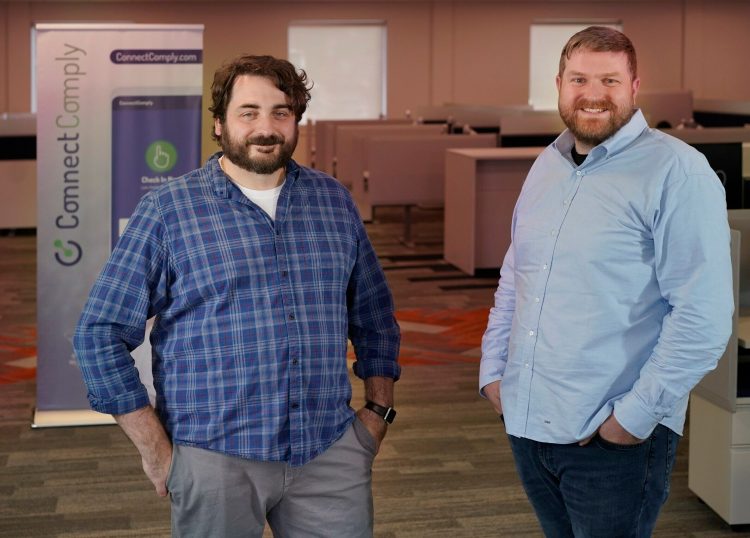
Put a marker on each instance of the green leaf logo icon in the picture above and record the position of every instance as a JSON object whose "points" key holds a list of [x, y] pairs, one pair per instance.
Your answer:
{"points": [[68, 253]]}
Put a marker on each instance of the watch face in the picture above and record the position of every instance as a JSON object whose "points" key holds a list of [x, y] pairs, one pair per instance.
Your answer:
{"points": [[388, 413]]}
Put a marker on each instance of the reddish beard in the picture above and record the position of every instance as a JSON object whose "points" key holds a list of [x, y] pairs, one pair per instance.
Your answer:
{"points": [[594, 131]]}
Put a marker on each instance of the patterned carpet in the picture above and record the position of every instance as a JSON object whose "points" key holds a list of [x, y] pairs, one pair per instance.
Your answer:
{"points": [[428, 337], [441, 336], [18, 354], [444, 470]]}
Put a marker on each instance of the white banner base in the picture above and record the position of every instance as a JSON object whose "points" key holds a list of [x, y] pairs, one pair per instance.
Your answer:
{"points": [[73, 417]]}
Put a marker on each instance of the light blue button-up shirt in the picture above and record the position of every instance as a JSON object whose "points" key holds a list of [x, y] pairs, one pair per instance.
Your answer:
{"points": [[616, 291]]}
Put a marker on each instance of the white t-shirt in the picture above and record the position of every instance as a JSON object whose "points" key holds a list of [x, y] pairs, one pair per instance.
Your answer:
{"points": [[266, 199]]}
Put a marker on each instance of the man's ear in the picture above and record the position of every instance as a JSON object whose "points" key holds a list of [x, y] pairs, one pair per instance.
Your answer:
{"points": [[636, 86], [217, 127], [558, 82]]}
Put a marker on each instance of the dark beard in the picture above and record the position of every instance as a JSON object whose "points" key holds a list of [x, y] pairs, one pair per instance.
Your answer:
{"points": [[589, 135], [239, 152]]}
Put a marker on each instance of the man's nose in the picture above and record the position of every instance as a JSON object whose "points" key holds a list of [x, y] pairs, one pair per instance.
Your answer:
{"points": [[264, 125], [595, 91]]}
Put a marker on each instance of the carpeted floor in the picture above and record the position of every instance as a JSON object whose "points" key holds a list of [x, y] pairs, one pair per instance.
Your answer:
{"points": [[444, 470]]}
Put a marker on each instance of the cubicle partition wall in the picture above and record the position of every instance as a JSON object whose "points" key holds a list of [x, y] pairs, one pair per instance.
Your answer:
{"points": [[458, 114], [666, 109], [407, 171], [323, 143], [348, 157], [530, 128]]}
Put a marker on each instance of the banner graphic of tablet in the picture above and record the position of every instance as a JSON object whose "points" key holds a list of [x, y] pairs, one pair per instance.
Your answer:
{"points": [[155, 138]]}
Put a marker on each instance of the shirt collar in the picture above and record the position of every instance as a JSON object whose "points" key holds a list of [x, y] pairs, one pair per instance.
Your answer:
{"points": [[614, 144], [221, 182]]}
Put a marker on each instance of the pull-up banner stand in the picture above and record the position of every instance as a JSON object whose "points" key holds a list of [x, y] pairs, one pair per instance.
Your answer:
{"points": [[118, 114]]}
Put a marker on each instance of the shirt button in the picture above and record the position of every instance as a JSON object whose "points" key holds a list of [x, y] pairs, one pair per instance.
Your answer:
{"points": [[536, 299], [531, 333], [295, 362], [295, 405], [566, 202], [291, 316], [544, 267], [579, 173], [284, 273], [553, 233]]}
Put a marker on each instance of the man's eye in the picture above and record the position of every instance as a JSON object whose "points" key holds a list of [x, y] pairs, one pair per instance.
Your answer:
{"points": [[282, 114]]}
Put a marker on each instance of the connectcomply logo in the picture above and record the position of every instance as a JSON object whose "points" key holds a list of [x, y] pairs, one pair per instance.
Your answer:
{"points": [[67, 255], [161, 156]]}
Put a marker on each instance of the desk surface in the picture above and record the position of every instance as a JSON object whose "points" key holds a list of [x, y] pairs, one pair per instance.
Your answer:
{"points": [[498, 154]]}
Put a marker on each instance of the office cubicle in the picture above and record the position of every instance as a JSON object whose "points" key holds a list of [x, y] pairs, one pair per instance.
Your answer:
{"points": [[728, 152], [719, 425], [533, 128], [18, 172], [721, 112], [665, 109]]}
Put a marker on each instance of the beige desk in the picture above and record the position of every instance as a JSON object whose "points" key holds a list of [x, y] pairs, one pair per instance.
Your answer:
{"points": [[481, 188]]}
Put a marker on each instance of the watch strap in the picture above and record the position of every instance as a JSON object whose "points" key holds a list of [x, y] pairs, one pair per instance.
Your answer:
{"points": [[387, 413]]}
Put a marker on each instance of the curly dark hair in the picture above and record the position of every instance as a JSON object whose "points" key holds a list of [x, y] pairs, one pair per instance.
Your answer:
{"points": [[282, 73]]}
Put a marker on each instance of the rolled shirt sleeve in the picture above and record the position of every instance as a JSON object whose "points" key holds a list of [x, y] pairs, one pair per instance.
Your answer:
{"points": [[126, 293], [373, 329]]}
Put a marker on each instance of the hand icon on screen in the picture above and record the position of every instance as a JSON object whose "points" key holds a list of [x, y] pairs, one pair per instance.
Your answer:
{"points": [[161, 158]]}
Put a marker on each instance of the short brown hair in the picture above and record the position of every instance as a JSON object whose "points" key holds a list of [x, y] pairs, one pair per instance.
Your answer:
{"points": [[600, 39], [282, 73]]}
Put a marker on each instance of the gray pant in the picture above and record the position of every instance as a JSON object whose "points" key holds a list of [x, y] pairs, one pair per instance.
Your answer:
{"points": [[215, 495]]}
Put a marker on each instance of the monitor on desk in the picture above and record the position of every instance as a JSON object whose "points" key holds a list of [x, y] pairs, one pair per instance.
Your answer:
{"points": [[739, 219]]}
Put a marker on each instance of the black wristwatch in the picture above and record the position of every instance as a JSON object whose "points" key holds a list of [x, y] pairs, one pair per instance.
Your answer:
{"points": [[388, 413]]}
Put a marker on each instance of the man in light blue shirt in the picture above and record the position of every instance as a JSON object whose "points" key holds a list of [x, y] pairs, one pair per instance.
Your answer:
{"points": [[615, 299]]}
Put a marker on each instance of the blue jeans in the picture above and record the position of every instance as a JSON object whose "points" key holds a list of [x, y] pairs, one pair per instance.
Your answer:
{"points": [[600, 489]]}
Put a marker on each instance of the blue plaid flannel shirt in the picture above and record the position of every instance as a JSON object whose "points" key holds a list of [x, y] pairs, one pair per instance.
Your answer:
{"points": [[252, 316]]}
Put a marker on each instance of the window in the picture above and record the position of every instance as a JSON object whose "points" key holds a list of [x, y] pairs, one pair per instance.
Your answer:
{"points": [[346, 61], [547, 41]]}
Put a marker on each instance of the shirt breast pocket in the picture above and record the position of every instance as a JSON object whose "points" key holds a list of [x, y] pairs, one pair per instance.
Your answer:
{"points": [[530, 247]]}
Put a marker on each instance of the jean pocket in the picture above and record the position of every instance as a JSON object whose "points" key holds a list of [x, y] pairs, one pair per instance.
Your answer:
{"points": [[617, 447], [364, 436]]}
